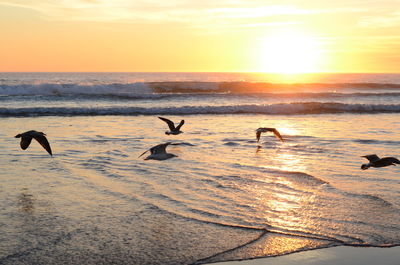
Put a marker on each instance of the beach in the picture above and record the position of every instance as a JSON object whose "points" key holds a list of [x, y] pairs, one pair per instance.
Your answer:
{"points": [[225, 196]]}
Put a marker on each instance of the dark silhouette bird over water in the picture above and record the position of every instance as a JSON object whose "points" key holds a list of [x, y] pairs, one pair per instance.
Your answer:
{"points": [[26, 139], [375, 161], [261, 130], [159, 152], [172, 129]]}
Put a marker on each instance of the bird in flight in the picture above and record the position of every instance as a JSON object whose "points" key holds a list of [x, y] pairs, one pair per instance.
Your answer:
{"points": [[375, 161], [172, 129], [159, 152], [261, 130], [26, 139]]}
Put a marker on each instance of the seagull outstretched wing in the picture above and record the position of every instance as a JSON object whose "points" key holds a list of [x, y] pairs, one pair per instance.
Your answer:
{"points": [[158, 149], [26, 139], [42, 140], [25, 142], [372, 158], [170, 123], [275, 131], [180, 125]]}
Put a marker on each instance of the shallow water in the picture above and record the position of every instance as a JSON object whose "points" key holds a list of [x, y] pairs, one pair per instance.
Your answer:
{"points": [[224, 197]]}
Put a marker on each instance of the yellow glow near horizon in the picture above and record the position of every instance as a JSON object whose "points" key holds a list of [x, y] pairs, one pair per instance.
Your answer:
{"points": [[290, 53]]}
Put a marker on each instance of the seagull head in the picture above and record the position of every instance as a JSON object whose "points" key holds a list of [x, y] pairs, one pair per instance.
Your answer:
{"points": [[18, 136]]}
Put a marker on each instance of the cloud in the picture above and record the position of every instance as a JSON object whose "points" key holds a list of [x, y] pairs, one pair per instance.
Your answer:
{"points": [[222, 14], [381, 21], [151, 10]]}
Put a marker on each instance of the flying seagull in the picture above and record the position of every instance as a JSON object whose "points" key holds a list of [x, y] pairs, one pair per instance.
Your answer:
{"points": [[172, 129], [261, 130], [26, 139], [158, 152], [375, 161]]}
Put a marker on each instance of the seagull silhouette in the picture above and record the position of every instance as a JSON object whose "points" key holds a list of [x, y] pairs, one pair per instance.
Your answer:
{"points": [[172, 129], [261, 130], [375, 161], [159, 152], [26, 139]]}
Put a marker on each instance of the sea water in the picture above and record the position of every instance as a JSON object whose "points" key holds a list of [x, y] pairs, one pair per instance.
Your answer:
{"points": [[225, 197]]}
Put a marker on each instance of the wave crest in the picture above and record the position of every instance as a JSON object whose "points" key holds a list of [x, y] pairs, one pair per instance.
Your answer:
{"points": [[137, 88], [273, 109]]}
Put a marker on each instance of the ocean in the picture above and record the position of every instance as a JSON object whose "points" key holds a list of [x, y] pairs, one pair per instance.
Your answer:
{"points": [[225, 196]]}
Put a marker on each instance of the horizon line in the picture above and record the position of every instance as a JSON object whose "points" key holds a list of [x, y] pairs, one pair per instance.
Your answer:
{"points": [[205, 72]]}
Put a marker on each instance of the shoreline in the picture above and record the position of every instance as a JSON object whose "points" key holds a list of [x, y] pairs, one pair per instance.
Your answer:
{"points": [[339, 255]]}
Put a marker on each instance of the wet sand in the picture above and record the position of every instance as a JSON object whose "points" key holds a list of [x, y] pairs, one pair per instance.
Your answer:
{"points": [[330, 256]]}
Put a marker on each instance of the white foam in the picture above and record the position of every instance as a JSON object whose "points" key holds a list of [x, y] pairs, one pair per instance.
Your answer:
{"points": [[137, 88], [273, 109], [68, 89]]}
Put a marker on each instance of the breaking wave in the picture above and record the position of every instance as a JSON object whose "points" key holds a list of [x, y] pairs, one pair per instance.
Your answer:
{"points": [[139, 88], [273, 109]]}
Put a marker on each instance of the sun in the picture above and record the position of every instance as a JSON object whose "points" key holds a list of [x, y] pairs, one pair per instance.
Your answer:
{"points": [[289, 53]]}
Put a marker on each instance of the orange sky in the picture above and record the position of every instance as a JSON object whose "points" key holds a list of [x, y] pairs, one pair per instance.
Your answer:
{"points": [[182, 35]]}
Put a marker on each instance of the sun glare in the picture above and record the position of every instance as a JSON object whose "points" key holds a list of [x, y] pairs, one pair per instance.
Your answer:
{"points": [[289, 53]]}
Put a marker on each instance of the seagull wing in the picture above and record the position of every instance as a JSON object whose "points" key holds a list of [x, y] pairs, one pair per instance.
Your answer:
{"points": [[159, 149], [258, 134], [143, 153], [180, 125], [275, 131], [42, 140], [170, 123], [25, 141], [277, 134], [372, 158], [392, 160]]}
